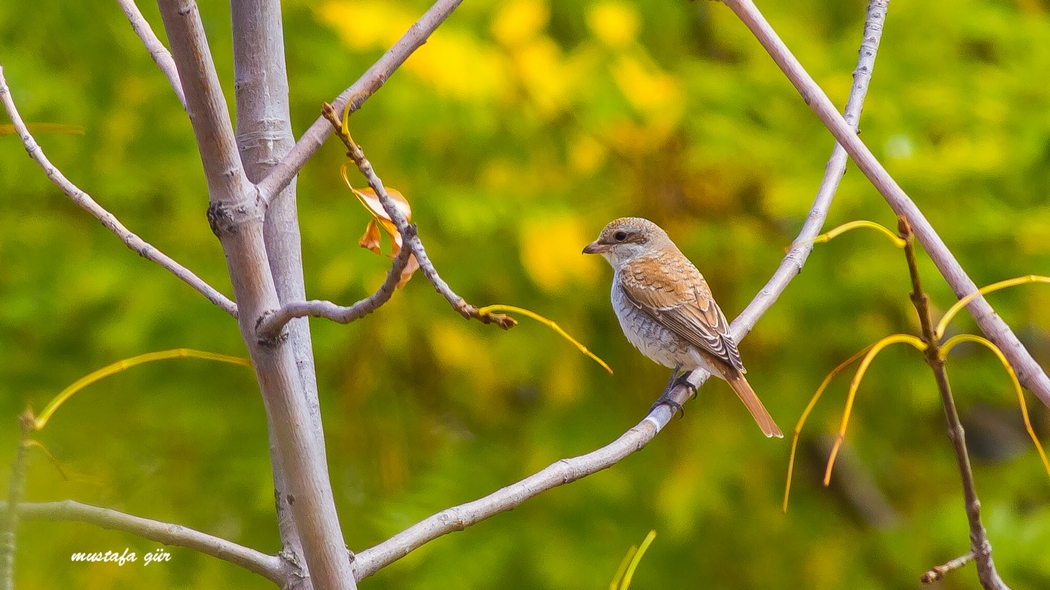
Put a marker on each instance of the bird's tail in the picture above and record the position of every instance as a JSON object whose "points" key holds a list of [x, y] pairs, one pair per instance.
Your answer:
{"points": [[754, 405]]}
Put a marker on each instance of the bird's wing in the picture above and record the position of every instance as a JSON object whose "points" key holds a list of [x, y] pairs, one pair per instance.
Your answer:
{"points": [[674, 293]]}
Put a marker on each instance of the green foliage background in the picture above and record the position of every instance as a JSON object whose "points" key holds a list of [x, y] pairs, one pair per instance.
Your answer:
{"points": [[517, 133]]}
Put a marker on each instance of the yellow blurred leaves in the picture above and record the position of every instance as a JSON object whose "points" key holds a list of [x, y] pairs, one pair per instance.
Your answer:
{"points": [[524, 64], [520, 21], [366, 25], [372, 25], [550, 251], [586, 154], [614, 23], [656, 95]]}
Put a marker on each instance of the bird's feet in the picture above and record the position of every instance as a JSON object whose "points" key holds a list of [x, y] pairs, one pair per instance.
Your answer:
{"points": [[675, 380]]}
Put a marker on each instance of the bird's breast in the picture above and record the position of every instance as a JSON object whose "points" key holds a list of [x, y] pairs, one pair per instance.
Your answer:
{"points": [[647, 335]]}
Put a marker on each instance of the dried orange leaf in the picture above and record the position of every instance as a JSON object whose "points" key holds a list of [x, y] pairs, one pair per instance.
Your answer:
{"points": [[368, 198], [410, 269], [371, 238], [391, 230]]}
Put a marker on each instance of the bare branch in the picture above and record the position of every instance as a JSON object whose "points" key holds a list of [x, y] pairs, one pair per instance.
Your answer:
{"points": [[460, 517], [980, 547], [237, 218], [833, 172], [1028, 370], [85, 202], [564, 471], [937, 572], [157, 50], [16, 488], [356, 95], [270, 325], [409, 236], [264, 136], [271, 567], [209, 114]]}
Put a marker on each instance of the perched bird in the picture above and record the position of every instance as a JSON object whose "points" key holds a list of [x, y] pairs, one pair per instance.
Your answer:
{"points": [[667, 312]]}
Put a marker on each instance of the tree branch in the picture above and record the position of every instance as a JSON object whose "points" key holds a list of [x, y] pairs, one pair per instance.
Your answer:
{"points": [[564, 471], [208, 112], [16, 488], [979, 545], [833, 173], [937, 572], [264, 136], [270, 325], [271, 567], [85, 202], [460, 517], [410, 237], [365, 86], [1028, 371], [236, 216], [157, 51]]}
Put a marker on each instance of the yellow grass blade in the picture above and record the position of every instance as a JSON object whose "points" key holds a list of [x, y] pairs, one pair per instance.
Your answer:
{"points": [[65, 394], [954, 309], [855, 384], [805, 416], [622, 570], [636, 559], [550, 324], [845, 227], [1013, 377]]}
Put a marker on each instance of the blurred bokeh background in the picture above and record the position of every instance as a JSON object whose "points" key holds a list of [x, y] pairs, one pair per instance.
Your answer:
{"points": [[517, 132]]}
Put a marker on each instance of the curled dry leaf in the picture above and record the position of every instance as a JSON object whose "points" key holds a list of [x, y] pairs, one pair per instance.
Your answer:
{"points": [[371, 202], [372, 237], [410, 269]]}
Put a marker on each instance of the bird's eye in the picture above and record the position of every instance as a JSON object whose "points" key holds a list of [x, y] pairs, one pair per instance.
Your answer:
{"points": [[620, 236]]}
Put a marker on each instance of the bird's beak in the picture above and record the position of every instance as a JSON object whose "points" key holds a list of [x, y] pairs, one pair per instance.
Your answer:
{"points": [[596, 247]]}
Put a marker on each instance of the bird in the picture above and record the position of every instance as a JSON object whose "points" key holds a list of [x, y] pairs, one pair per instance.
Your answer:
{"points": [[667, 312]]}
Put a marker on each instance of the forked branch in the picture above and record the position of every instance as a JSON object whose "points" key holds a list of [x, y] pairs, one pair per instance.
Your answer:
{"points": [[157, 50], [271, 325], [271, 567], [85, 202], [564, 471], [365, 86], [409, 236], [1028, 370], [980, 547]]}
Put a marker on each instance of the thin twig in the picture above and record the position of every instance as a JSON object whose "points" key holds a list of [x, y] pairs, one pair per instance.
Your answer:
{"points": [[409, 237], [228, 185], [564, 471], [270, 325], [356, 95], [937, 572], [979, 545], [85, 202], [457, 518], [157, 50], [15, 489], [1028, 370], [270, 567]]}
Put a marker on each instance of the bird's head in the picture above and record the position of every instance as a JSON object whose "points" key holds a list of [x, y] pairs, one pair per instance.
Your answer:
{"points": [[627, 238]]}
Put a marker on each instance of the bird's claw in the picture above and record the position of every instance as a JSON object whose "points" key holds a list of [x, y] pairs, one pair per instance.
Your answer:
{"points": [[676, 408], [675, 380]]}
